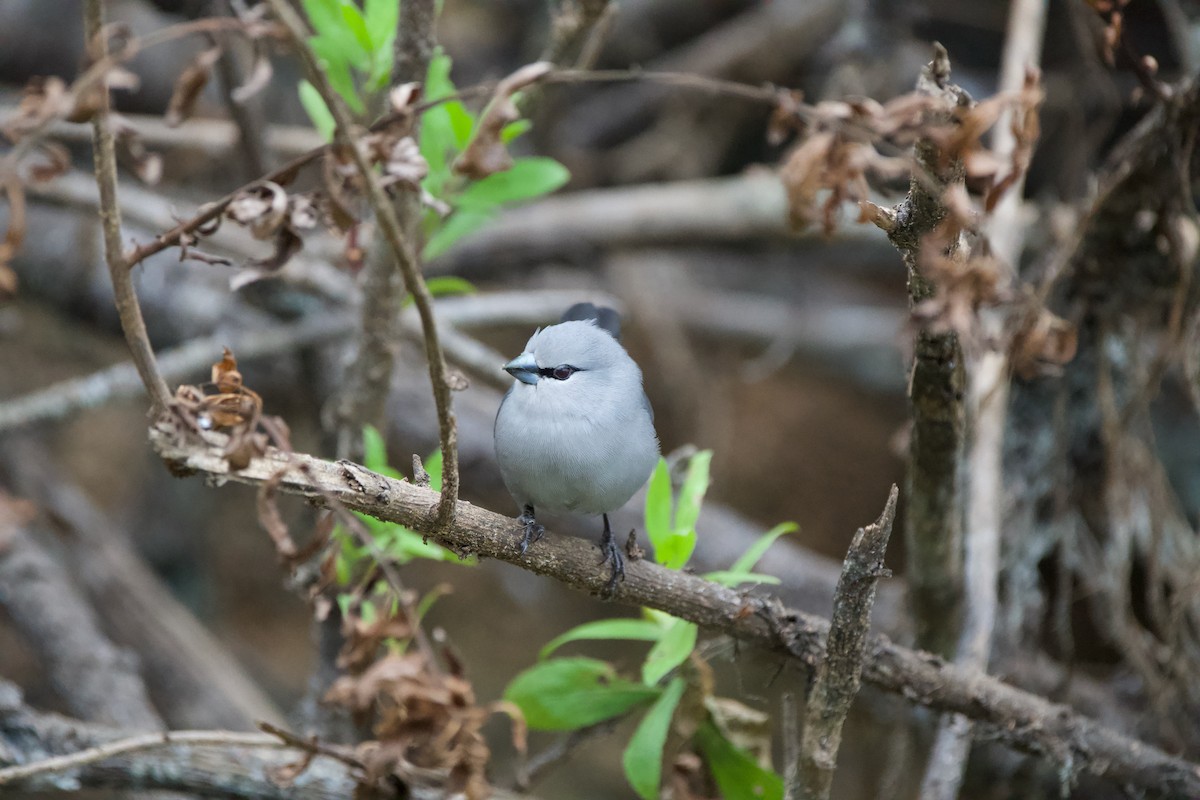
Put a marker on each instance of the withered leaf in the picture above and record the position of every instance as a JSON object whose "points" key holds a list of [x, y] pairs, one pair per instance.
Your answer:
{"points": [[802, 178], [262, 207], [404, 163], [486, 153], [287, 244], [49, 161], [260, 76], [189, 85], [1044, 346]]}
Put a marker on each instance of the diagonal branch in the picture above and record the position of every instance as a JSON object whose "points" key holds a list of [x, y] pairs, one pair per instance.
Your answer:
{"points": [[839, 674], [403, 253], [1013, 717], [110, 217]]}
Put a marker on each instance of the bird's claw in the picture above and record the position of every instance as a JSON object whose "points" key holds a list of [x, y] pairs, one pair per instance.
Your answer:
{"points": [[611, 554], [532, 530]]}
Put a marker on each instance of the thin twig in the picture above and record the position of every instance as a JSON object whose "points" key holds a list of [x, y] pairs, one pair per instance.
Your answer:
{"points": [[840, 672], [402, 251], [1013, 717], [132, 744], [124, 293]]}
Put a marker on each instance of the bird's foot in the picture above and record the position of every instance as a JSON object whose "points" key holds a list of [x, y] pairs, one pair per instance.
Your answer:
{"points": [[611, 554], [532, 530]]}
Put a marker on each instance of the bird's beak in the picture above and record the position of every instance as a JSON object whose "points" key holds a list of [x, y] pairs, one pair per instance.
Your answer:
{"points": [[524, 368]]}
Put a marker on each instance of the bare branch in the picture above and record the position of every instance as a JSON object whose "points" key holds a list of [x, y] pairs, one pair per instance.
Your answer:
{"points": [[110, 217], [840, 672]]}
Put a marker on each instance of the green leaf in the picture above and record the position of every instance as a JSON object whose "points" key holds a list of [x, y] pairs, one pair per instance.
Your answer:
{"points": [[338, 71], [751, 557], [458, 225], [514, 129], [443, 286], [374, 448], [658, 504], [357, 26], [526, 179], [638, 629], [433, 466], [404, 545], [676, 548], [671, 650], [737, 775], [446, 127], [644, 753], [335, 41], [317, 111], [692, 493], [567, 693], [382, 17], [375, 455], [431, 597], [325, 16], [733, 578]]}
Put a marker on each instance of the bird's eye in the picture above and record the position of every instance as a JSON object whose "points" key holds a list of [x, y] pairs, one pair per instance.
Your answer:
{"points": [[563, 371]]}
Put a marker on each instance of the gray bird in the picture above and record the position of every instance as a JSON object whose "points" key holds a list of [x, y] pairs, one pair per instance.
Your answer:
{"points": [[575, 432]]}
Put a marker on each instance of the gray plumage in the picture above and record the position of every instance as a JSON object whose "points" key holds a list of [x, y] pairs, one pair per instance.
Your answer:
{"points": [[575, 432]]}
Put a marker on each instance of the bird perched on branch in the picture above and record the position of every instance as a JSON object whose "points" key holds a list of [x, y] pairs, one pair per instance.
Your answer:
{"points": [[575, 433]]}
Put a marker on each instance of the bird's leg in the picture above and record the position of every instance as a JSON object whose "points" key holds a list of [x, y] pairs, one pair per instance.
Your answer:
{"points": [[529, 525], [612, 555]]}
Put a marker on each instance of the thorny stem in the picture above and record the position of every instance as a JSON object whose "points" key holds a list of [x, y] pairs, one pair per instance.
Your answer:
{"points": [[402, 252], [124, 294]]}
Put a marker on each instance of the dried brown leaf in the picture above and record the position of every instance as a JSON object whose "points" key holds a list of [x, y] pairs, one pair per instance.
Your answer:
{"points": [[271, 520], [49, 161], [189, 85], [260, 77], [802, 178], [262, 207], [486, 153], [1044, 345], [785, 117], [404, 163], [287, 243], [14, 236], [1025, 130]]}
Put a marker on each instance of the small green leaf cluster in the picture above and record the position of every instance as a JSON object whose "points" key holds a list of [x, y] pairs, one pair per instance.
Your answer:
{"points": [[561, 694], [355, 49], [446, 131], [391, 539]]}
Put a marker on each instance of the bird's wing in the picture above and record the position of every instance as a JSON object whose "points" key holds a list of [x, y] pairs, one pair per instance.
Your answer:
{"points": [[645, 404]]}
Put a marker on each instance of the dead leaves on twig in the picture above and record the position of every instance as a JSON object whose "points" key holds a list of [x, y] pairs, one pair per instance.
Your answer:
{"points": [[189, 85], [840, 152], [232, 408], [424, 715], [486, 153]]}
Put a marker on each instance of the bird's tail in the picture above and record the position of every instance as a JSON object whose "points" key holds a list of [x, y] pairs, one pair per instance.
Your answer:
{"points": [[604, 317]]}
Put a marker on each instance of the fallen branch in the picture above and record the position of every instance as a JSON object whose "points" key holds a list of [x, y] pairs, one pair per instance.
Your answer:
{"points": [[1018, 719]]}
